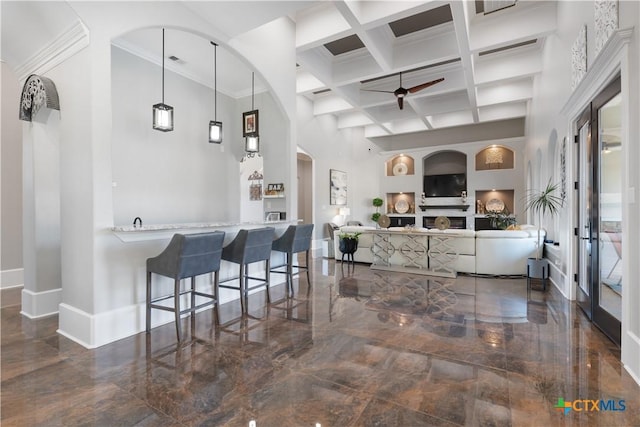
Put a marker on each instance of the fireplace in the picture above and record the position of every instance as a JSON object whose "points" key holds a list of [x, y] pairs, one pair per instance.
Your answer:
{"points": [[459, 222]]}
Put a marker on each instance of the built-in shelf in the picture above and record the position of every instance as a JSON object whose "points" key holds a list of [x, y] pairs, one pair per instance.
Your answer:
{"points": [[461, 207], [273, 197]]}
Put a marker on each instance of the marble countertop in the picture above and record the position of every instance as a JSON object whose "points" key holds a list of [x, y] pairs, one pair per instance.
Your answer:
{"points": [[194, 225], [129, 233]]}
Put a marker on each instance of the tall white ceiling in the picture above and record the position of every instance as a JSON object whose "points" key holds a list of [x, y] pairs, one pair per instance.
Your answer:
{"points": [[477, 87], [496, 85]]}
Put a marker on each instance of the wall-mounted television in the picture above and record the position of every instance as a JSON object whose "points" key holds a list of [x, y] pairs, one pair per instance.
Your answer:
{"points": [[448, 185]]}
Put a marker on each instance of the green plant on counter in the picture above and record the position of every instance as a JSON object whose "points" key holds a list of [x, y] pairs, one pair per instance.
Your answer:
{"points": [[352, 236], [377, 202]]}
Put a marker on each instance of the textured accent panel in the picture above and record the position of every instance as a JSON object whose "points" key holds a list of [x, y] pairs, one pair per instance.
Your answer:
{"points": [[579, 58], [37, 92], [606, 21]]}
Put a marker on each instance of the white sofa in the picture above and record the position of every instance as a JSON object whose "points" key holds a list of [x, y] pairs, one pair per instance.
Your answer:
{"points": [[494, 252], [506, 251]]}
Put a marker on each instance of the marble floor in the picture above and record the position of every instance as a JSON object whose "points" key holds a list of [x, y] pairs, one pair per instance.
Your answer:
{"points": [[357, 348]]}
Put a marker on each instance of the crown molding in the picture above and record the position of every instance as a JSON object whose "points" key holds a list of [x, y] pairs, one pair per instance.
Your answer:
{"points": [[67, 44]]}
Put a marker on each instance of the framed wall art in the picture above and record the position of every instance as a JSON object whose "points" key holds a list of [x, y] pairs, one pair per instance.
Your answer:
{"points": [[338, 187], [250, 123]]}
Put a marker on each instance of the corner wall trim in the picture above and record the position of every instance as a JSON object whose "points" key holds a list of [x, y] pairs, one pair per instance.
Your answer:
{"points": [[40, 304]]}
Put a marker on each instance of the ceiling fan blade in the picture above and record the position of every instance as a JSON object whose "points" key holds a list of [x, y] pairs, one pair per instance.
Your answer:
{"points": [[400, 102], [424, 85], [372, 90]]}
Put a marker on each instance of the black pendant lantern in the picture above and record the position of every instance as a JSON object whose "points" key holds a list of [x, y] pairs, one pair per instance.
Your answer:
{"points": [[251, 139], [215, 127], [163, 113]]}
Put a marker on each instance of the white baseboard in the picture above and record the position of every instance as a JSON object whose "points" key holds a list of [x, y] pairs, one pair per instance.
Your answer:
{"points": [[95, 330], [630, 351], [40, 304], [11, 278]]}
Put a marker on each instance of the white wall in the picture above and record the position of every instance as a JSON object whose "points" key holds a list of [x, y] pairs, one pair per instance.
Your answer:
{"points": [[169, 177], [11, 261], [346, 150], [103, 279], [547, 124]]}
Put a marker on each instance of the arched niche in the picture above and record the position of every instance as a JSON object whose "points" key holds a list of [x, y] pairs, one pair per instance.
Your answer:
{"points": [[445, 162], [495, 157], [445, 174], [401, 164]]}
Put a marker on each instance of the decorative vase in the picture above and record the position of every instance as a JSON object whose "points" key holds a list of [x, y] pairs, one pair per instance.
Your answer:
{"points": [[348, 245]]}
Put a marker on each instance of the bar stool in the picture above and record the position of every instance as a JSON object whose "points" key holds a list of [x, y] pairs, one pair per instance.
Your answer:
{"points": [[186, 256], [297, 238], [249, 246]]}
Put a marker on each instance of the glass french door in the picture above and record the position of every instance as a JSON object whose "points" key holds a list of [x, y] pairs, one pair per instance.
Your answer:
{"points": [[600, 211]]}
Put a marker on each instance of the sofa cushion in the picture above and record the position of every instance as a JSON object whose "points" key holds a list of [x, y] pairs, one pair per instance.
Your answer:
{"points": [[502, 234]]}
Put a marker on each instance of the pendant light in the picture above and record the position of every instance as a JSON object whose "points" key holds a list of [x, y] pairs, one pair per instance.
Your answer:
{"points": [[252, 141], [215, 127], [163, 113]]}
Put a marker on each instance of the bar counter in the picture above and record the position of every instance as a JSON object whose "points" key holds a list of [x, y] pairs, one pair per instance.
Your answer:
{"points": [[130, 233]]}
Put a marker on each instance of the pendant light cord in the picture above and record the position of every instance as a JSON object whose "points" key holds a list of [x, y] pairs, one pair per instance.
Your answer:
{"points": [[252, 74], [163, 65], [215, 81]]}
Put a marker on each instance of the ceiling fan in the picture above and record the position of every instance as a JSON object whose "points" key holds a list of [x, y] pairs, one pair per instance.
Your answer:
{"points": [[401, 92]]}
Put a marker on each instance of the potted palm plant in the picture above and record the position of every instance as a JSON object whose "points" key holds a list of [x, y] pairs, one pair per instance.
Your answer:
{"points": [[542, 203]]}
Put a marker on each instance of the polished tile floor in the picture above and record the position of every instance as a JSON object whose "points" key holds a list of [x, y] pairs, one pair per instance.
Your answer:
{"points": [[362, 348]]}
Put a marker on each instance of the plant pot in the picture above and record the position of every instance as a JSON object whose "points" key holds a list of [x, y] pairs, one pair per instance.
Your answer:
{"points": [[348, 246], [537, 268]]}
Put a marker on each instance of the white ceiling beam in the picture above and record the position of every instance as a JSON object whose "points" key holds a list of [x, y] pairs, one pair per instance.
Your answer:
{"points": [[502, 67], [525, 21], [503, 111], [353, 119], [505, 92], [317, 25], [462, 36], [457, 118], [330, 103], [307, 82], [379, 50]]}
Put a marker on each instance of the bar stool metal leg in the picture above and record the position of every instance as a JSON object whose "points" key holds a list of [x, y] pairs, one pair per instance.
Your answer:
{"points": [[177, 308]]}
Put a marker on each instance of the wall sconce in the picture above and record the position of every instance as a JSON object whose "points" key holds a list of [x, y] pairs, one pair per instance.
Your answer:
{"points": [[215, 127], [163, 113]]}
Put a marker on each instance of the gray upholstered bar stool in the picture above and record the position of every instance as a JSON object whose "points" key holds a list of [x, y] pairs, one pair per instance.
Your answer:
{"points": [[186, 256], [248, 247], [297, 238]]}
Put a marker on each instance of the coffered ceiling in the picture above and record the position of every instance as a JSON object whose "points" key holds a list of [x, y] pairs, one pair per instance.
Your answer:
{"points": [[487, 52], [348, 51]]}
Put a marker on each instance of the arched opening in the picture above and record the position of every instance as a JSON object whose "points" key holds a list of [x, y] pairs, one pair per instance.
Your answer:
{"points": [[178, 176], [445, 174]]}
